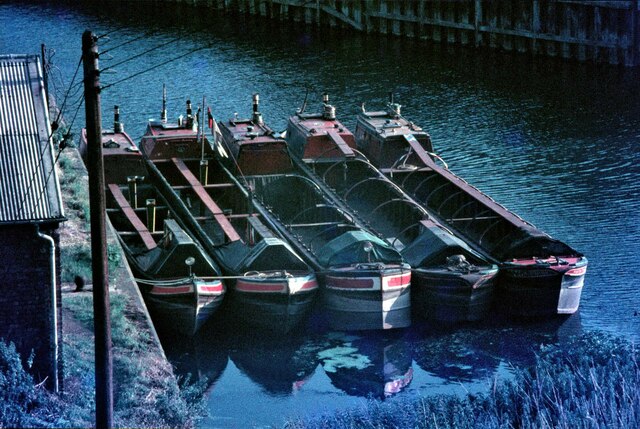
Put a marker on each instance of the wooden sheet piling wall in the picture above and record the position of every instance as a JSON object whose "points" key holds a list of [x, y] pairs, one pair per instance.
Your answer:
{"points": [[583, 30]]}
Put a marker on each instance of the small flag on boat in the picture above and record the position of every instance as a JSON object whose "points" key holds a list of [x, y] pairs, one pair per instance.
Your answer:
{"points": [[217, 135]]}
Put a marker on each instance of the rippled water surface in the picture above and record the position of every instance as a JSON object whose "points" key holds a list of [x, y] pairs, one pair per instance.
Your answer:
{"points": [[558, 143]]}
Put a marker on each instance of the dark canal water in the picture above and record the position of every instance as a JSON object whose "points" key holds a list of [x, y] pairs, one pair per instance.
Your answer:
{"points": [[558, 143]]}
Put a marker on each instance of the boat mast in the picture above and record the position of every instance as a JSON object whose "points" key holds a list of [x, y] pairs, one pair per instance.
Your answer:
{"points": [[204, 164], [163, 114]]}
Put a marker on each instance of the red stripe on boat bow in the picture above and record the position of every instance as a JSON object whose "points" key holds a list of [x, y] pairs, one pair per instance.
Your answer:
{"points": [[576, 271], [350, 283], [246, 286], [171, 290], [399, 281], [311, 284]]}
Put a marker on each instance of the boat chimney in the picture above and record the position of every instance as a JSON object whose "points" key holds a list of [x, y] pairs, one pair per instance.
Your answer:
{"points": [[151, 215], [257, 116], [329, 112], [189, 123], [118, 127], [394, 110], [163, 114]]}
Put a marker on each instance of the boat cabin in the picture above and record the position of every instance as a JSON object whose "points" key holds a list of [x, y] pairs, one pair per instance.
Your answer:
{"points": [[255, 148], [121, 157], [319, 135], [165, 140], [386, 138]]}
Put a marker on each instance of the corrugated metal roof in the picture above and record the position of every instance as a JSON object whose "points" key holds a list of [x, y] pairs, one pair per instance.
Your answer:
{"points": [[29, 189]]}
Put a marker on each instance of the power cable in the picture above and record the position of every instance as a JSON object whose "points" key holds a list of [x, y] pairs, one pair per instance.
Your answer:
{"points": [[112, 32], [124, 44], [157, 66], [139, 55], [44, 149]]}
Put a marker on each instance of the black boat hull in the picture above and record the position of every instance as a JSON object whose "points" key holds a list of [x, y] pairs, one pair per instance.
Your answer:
{"points": [[440, 296]]}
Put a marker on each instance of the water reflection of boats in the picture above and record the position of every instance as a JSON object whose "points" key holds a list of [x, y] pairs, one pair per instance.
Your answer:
{"points": [[280, 367], [271, 287], [374, 365], [450, 281], [178, 280], [364, 280], [477, 354], [201, 358], [539, 275], [464, 355]]}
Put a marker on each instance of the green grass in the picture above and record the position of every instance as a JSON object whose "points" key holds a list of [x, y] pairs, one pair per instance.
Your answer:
{"points": [[76, 258], [593, 381], [145, 394]]}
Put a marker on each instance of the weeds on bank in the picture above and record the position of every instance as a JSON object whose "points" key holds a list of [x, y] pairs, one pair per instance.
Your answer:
{"points": [[21, 403], [76, 258], [143, 393], [144, 396], [593, 381]]}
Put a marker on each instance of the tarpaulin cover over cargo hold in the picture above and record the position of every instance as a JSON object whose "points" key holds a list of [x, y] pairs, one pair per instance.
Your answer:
{"points": [[349, 248]]}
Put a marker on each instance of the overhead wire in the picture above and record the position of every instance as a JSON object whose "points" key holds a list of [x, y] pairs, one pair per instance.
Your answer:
{"points": [[80, 101], [157, 66], [71, 85], [107, 34], [139, 55], [124, 44], [46, 145]]}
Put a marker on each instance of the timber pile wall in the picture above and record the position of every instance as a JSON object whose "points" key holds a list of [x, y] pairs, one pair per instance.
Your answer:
{"points": [[584, 30]]}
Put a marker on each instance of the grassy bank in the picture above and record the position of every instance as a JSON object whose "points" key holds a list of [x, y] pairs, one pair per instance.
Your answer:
{"points": [[146, 393], [593, 381]]}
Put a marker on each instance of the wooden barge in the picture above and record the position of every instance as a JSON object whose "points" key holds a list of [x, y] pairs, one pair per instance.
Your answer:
{"points": [[539, 275], [179, 282], [271, 287]]}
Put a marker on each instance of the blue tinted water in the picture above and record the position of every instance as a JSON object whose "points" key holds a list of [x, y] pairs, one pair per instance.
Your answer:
{"points": [[558, 143]]}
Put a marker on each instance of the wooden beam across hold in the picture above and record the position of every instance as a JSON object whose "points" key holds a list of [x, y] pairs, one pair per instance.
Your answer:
{"points": [[339, 141], [206, 199], [131, 216], [419, 150]]}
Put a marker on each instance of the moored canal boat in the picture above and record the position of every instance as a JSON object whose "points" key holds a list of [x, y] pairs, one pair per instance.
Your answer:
{"points": [[178, 281], [539, 275], [272, 287], [365, 283], [450, 281]]}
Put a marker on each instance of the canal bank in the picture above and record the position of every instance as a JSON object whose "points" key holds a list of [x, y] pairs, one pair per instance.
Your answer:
{"points": [[146, 390], [586, 31]]}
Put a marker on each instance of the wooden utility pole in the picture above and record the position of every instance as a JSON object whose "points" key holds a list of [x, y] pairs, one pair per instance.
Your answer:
{"points": [[101, 307]]}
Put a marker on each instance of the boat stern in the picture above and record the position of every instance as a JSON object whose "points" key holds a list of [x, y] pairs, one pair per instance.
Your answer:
{"points": [[539, 287], [571, 287], [368, 296]]}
